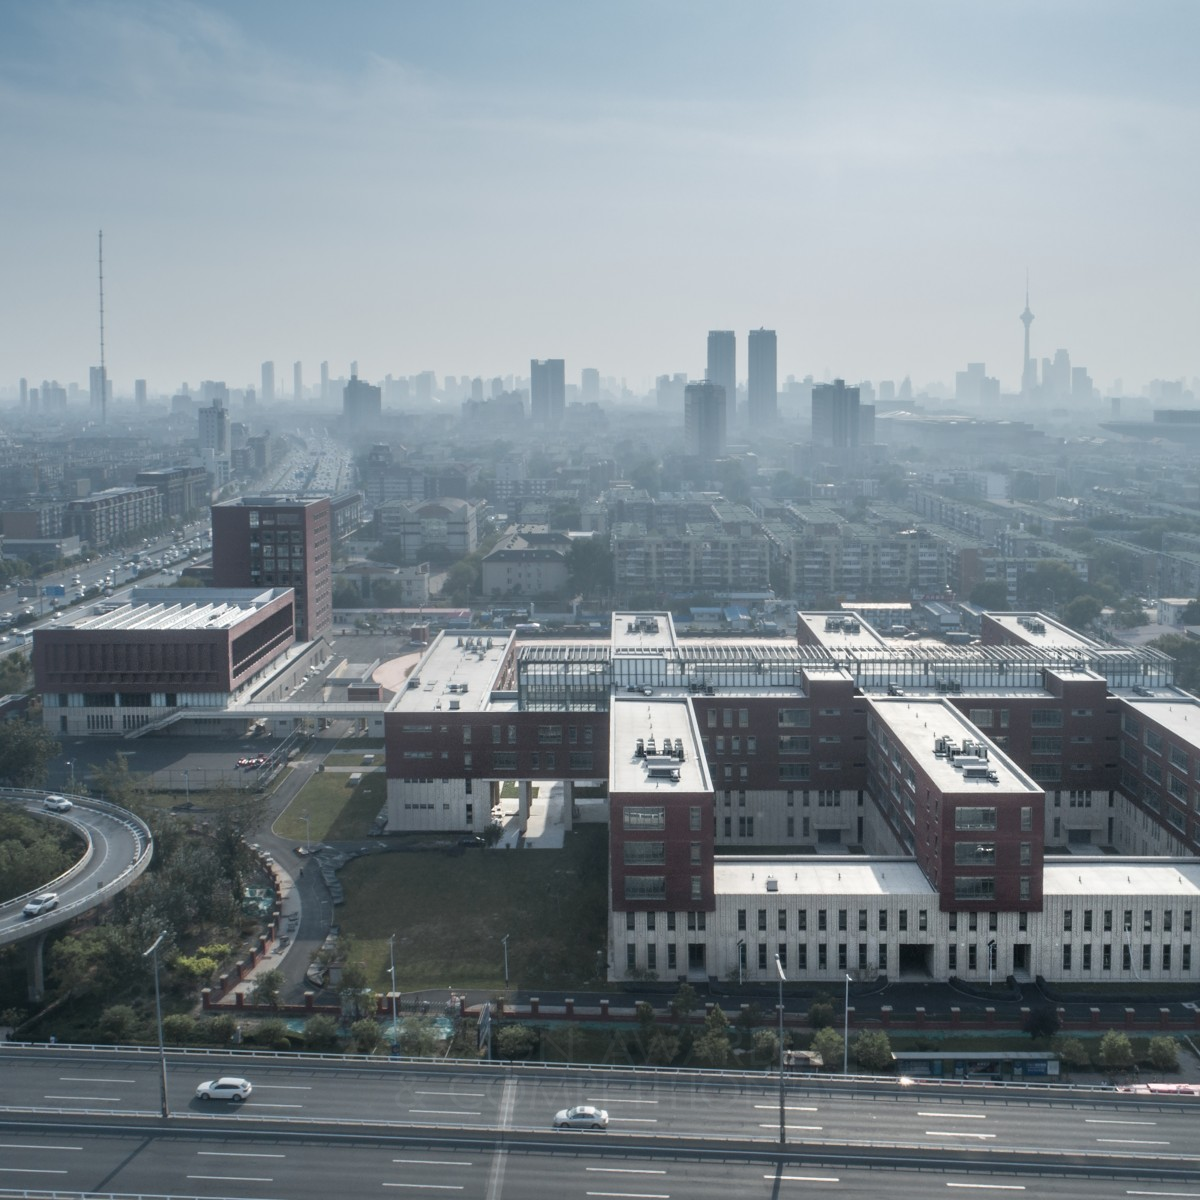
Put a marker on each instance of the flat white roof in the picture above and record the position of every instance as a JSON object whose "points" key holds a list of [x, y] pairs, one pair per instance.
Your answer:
{"points": [[1045, 631], [633, 631], [1114, 876], [458, 671], [663, 719], [1178, 715], [916, 721], [839, 638], [821, 877], [165, 610]]}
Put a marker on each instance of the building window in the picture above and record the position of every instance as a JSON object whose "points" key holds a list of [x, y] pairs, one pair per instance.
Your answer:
{"points": [[697, 888], [883, 920], [671, 962], [762, 956], [1066, 957], [1087, 956], [630, 917], [843, 919], [645, 887], [969, 818], [1067, 920], [782, 920], [762, 920], [645, 817], [631, 957], [862, 920], [922, 920], [741, 920], [694, 818], [781, 951], [952, 958], [644, 854]]}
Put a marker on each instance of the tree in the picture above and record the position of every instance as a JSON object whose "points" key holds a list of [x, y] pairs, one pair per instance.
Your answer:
{"points": [[26, 751], [419, 1037], [1191, 613], [820, 1014], [1042, 1022], [1080, 612], [346, 594], [365, 1036], [268, 990], [713, 1046], [273, 1034], [873, 1051], [663, 1049], [179, 1028], [1115, 1052], [515, 1041], [1163, 1053], [119, 1024], [827, 1042], [684, 1002], [991, 594], [590, 563], [766, 1046], [1072, 1053], [644, 1011], [320, 1032]]}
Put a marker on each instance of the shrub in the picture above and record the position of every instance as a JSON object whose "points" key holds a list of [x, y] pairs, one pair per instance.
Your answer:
{"points": [[320, 1032], [1163, 1053], [515, 1041], [365, 1036], [820, 1015], [179, 1029], [118, 1023], [827, 1042], [272, 1035], [873, 1051]]}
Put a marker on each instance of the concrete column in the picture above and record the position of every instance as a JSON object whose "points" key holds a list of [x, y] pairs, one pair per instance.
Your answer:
{"points": [[35, 966], [524, 794], [568, 804]]}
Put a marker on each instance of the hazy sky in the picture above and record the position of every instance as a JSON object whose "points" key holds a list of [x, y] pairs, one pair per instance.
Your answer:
{"points": [[463, 186]]}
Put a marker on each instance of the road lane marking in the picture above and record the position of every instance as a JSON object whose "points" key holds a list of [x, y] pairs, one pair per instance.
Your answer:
{"points": [[1129, 1142], [237, 1154], [434, 1187], [807, 1178], [992, 1187], [236, 1178], [279, 1106], [1107, 1121], [112, 1099], [283, 1087], [627, 1170], [444, 1112], [616, 1100], [958, 1133], [1162, 1194], [34, 1146], [431, 1162], [800, 1128], [948, 1116], [790, 1107], [634, 1120], [31, 1171], [91, 1079], [508, 1100], [634, 1195], [420, 1092]]}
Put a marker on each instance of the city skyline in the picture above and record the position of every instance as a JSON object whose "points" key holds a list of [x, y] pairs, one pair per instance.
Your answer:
{"points": [[280, 185]]}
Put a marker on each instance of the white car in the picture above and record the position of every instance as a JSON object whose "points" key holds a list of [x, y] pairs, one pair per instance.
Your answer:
{"points": [[41, 904], [228, 1087], [582, 1116], [57, 804]]}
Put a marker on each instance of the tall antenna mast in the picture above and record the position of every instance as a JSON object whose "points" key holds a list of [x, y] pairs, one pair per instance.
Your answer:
{"points": [[103, 372]]}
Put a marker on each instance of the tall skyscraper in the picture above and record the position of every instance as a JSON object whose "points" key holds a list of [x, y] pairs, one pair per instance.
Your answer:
{"points": [[214, 428], [839, 421], [1029, 369], [589, 385], [362, 404], [298, 383], [278, 541], [325, 380], [722, 368], [139, 393], [268, 383], [24, 393], [98, 388], [762, 380], [704, 420], [547, 391]]}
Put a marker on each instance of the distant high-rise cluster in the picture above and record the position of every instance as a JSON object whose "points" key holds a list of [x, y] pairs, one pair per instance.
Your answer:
{"points": [[839, 421], [722, 368], [704, 420], [762, 380], [362, 404]]}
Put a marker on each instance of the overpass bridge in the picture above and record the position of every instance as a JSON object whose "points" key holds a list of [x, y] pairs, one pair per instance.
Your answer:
{"points": [[117, 849]]}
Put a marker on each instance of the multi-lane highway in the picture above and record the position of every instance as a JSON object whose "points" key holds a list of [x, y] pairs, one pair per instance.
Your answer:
{"points": [[75, 1120]]}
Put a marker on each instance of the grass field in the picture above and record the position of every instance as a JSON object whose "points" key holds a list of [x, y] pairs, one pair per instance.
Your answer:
{"points": [[336, 811], [449, 911]]}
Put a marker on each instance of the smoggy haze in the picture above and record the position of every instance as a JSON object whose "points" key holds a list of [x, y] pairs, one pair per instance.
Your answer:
{"points": [[461, 187]]}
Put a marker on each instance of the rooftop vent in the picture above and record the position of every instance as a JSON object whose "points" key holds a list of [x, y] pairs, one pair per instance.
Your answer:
{"points": [[772, 884]]}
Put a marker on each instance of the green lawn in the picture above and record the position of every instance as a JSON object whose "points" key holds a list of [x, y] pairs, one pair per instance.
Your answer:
{"points": [[336, 811], [339, 758], [449, 911]]}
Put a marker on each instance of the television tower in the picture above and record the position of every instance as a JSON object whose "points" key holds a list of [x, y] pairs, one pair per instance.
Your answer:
{"points": [[1027, 320], [104, 373]]}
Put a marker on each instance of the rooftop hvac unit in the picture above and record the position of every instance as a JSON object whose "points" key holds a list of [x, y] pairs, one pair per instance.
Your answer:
{"points": [[772, 884]]}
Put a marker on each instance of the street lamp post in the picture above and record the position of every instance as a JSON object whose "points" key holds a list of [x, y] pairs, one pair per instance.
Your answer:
{"points": [[307, 834], [504, 940], [392, 972], [71, 769], [782, 1126], [162, 1050], [187, 788], [741, 957], [991, 960], [846, 1030]]}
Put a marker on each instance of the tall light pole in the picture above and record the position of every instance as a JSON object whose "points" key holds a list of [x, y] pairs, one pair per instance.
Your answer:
{"points": [[71, 768], [162, 1050], [741, 953], [846, 1030], [187, 788], [308, 836], [392, 972], [504, 940], [782, 1126]]}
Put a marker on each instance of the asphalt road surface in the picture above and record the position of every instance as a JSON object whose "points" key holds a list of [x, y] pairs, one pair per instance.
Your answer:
{"points": [[345, 1128]]}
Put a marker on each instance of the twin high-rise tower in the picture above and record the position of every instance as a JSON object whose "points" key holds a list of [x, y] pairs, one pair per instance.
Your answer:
{"points": [[762, 382]]}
